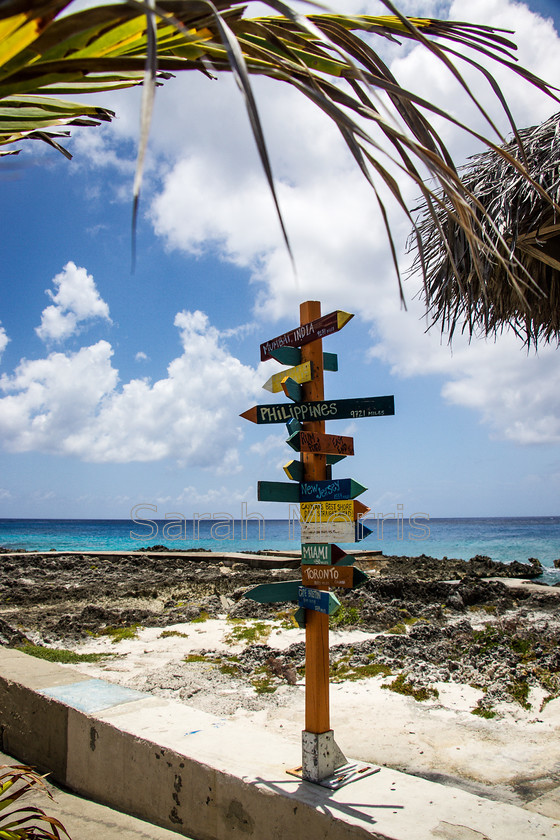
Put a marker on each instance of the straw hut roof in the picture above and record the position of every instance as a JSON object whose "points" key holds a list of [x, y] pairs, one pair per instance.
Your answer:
{"points": [[466, 285]]}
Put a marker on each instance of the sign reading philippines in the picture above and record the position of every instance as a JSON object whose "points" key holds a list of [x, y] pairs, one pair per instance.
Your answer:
{"points": [[321, 410]]}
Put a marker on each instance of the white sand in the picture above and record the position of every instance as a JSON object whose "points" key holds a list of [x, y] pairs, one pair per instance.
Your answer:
{"points": [[513, 756]]}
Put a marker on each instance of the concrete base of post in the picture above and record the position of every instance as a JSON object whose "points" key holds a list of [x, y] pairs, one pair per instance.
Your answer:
{"points": [[321, 755]]}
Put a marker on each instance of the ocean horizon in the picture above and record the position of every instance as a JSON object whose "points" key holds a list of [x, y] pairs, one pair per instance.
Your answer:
{"points": [[505, 539]]}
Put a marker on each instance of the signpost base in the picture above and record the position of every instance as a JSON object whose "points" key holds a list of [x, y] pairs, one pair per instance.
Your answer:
{"points": [[321, 755], [324, 763]]}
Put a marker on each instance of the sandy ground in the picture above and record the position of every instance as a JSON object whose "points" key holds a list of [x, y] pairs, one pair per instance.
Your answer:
{"points": [[513, 757]]}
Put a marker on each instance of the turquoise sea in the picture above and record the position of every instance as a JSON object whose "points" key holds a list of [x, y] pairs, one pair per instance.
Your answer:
{"points": [[501, 538]]}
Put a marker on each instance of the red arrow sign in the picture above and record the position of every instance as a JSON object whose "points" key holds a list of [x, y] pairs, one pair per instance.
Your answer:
{"points": [[304, 441], [319, 328]]}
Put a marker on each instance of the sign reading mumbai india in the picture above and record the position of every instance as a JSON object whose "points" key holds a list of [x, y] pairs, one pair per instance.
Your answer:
{"points": [[304, 334]]}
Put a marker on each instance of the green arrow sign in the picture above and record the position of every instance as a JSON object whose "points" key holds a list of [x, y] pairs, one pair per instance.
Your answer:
{"points": [[292, 356], [273, 593]]}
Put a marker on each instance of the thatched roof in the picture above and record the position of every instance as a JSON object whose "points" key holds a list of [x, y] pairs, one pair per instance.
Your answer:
{"points": [[467, 287]]}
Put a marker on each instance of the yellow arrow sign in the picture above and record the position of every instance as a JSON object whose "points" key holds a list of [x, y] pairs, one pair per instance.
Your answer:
{"points": [[345, 509], [300, 373]]}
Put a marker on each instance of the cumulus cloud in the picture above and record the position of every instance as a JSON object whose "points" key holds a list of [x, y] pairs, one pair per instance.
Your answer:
{"points": [[75, 301], [3, 340], [336, 228], [212, 197], [71, 404]]}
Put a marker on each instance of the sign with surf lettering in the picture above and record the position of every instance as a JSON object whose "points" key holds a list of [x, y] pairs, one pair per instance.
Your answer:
{"points": [[308, 412], [324, 444], [306, 333]]}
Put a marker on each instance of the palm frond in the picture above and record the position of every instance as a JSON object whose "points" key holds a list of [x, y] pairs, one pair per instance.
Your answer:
{"points": [[524, 237], [329, 58]]}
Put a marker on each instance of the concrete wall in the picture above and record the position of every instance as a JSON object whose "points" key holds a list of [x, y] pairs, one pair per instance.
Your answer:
{"points": [[214, 779]]}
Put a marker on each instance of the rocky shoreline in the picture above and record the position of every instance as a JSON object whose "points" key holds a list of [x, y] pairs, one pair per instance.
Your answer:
{"points": [[459, 660], [431, 620]]}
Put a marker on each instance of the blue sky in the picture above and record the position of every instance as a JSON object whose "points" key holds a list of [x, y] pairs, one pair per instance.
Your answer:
{"points": [[121, 388]]}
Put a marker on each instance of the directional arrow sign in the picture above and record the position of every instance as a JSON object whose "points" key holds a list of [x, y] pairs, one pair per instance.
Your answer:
{"points": [[301, 373], [349, 577], [273, 593], [293, 426], [292, 356], [321, 410], [324, 554], [305, 333], [331, 511], [336, 488], [328, 576], [291, 389], [277, 491], [333, 532], [294, 470], [320, 443], [308, 491], [318, 600]]}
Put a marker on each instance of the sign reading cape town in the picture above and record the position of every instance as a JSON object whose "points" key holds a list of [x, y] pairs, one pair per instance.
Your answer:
{"points": [[321, 410]]}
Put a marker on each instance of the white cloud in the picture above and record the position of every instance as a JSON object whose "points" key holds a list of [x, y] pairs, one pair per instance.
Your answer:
{"points": [[69, 404], [336, 228], [213, 197], [3, 340], [75, 301], [141, 356]]}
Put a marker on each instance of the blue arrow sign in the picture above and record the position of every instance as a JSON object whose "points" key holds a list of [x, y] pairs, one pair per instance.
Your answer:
{"points": [[318, 600]]}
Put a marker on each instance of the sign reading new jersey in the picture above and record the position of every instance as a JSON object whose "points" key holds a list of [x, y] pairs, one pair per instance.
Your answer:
{"points": [[307, 412]]}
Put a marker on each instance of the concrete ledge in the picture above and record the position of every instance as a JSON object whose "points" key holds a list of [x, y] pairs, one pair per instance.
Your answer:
{"points": [[216, 780]]}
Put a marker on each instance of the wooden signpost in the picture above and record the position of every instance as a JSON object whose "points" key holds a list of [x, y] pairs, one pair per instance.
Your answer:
{"points": [[328, 511]]}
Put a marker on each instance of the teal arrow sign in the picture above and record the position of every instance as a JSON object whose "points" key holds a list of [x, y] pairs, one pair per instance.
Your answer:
{"points": [[292, 356], [273, 593], [309, 491]]}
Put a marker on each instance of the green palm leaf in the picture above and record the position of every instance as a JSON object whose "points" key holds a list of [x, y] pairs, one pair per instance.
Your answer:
{"points": [[329, 58]]}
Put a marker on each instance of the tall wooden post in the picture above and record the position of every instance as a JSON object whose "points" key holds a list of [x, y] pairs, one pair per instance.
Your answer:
{"points": [[316, 624]]}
